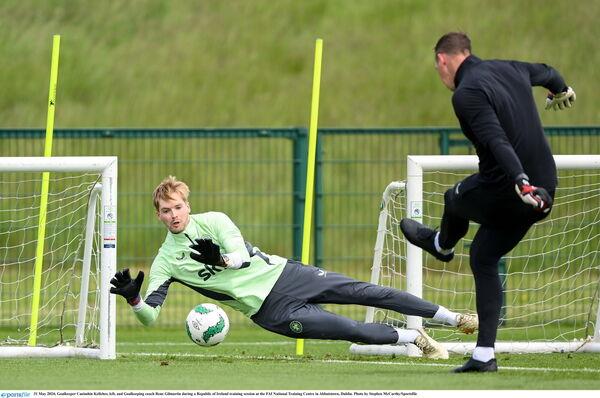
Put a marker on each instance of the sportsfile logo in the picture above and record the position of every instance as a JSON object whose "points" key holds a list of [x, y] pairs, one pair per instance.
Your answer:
{"points": [[15, 394]]}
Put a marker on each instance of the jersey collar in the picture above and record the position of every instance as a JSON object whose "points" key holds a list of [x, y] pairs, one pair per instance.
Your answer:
{"points": [[465, 66]]}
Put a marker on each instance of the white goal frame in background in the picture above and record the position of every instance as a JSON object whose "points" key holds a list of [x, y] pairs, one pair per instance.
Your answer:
{"points": [[106, 191], [416, 165]]}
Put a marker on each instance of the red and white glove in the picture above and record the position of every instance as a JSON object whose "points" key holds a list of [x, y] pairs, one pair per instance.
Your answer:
{"points": [[534, 196], [561, 100]]}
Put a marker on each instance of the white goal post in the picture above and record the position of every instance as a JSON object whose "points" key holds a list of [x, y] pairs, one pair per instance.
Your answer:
{"points": [[551, 280], [76, 310]]}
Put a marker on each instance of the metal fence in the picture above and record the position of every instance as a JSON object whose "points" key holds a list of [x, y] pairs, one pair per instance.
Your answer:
{"points": [[257, 177]]}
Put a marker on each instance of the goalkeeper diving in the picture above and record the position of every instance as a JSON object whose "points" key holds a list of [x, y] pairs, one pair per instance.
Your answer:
{"points": [[207, 253]]}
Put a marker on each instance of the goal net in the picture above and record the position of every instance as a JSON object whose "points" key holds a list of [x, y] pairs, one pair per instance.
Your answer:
{"points": [[69, 311], [551, 280]]}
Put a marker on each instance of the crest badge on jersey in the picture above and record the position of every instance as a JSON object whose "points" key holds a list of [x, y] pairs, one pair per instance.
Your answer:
{"points": [[296, 327]]}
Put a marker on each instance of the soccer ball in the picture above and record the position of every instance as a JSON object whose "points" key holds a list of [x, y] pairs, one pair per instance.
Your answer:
{"points": [[207, 325]]}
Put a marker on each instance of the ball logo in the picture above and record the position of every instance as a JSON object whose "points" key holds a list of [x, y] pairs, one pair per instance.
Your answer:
{"points": [[296, 327]]}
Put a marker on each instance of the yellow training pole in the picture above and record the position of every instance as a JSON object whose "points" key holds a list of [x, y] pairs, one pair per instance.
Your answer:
{"points": [[310, 166], [39, 251]]}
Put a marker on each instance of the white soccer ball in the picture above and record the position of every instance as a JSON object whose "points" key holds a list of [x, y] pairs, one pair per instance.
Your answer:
{"points": [[207, 325]]}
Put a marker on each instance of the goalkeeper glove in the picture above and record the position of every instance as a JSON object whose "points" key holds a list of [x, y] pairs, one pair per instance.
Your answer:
{"points": [[129, 288], [561, 100], [206, 252], [534, 196]]}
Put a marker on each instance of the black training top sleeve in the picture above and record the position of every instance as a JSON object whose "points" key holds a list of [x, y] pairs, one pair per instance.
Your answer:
{"points": [[543, 75]]}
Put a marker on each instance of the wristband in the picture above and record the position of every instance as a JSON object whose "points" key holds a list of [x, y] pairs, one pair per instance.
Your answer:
{"points": [[134, 301], [232, 260]]}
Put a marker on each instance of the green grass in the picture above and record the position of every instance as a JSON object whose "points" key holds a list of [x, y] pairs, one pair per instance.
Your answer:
{"points": [[249, 63], [251, 358]]}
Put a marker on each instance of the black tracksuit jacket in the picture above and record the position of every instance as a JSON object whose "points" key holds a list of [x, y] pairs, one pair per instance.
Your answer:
{"points": [[494, 104]]}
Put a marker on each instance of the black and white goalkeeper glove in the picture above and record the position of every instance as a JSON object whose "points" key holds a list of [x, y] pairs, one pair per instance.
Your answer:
{"points": [[129, 288], [561, 100], [534, 196], [207, 252]]}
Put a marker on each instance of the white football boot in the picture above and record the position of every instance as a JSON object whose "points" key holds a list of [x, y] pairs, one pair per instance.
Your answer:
{"points": [[429, 347]]}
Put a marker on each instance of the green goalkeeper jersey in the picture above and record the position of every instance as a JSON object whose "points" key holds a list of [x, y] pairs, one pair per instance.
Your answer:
{"points": [[243, 289]]}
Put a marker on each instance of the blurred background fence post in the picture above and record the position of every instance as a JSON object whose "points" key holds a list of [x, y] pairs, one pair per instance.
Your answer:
{"points": [[300, 144]]}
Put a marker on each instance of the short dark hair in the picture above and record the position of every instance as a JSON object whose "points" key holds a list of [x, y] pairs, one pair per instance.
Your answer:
{"points": [[453, 43]]}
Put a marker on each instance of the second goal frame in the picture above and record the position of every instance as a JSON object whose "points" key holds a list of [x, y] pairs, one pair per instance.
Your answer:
{"points": [[416, 166]]}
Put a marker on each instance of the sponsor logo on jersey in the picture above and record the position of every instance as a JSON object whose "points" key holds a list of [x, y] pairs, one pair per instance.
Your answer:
{"points": [[296, 327], [180, 257], [322, 273], [208, 271]]}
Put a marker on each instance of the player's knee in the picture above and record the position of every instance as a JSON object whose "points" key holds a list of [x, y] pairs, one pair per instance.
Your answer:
{"points": [[449, 196], [450, 199]]}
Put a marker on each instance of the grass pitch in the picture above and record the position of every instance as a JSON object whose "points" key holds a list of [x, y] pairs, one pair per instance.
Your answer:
{"points": [[250, 358]]}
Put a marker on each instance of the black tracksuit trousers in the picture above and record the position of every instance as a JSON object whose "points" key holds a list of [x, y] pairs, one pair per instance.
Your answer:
{"points": [[293, 309], [504, 220]]}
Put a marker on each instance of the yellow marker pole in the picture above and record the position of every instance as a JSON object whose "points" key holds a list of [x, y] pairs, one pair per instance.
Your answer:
{"points": [[310, 165], [39, 251]]}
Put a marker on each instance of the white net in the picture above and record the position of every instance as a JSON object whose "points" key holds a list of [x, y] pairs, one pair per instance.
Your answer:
{"points": [[551, 279], [61, 281]]}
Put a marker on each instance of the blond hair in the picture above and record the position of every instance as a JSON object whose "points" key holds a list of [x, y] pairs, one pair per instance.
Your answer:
{"points": [[167, 188]]}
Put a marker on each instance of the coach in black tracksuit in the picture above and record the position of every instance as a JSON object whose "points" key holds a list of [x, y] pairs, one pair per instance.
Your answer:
{"points": [[495, 107]]}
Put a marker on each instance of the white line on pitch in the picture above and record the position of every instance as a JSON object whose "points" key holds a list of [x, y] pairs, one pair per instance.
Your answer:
{"points": [[347, 361]]}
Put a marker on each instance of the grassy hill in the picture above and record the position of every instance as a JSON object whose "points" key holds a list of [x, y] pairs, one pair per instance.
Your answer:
{"points": [[249, 63]]}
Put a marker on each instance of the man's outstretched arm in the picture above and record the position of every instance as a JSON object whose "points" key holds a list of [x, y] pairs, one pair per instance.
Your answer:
{"points": [[560, 96]]}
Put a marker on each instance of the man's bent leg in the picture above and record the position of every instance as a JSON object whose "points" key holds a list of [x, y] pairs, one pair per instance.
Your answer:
{"points": [[462, 203], [455, 220]]}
